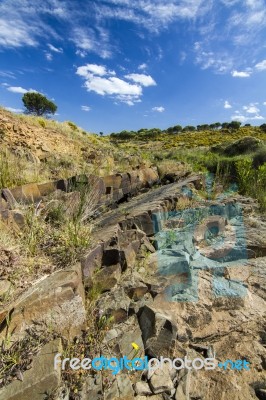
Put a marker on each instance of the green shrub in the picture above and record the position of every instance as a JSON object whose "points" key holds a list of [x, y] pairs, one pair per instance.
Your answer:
{"points": [[72, 125], [259, 158], [42, 122], [245, 145]]}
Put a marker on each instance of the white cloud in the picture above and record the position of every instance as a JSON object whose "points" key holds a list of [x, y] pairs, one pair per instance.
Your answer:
{"points": [[143, 66], [240, 74], [14, 110], [48, 56], [17, 89], [85, 108], [239, 117], [264, 103], [259, 117], [105, 82], [261, 66], [144, 80], [227, 104], [244, 118], [55, 49], [112, 85], [158, 109], [88, 69], [251, 109]]}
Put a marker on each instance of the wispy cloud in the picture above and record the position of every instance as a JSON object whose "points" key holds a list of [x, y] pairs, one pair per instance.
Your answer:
{"points": [[14, 110], [158, 109], [85, 108], [104, 82], [7, 74], [231, 45], [261, 66], [89, 40], [48, 56], [143, 66], [152, 15], [227, 104], [240, 74], [55, 49]]}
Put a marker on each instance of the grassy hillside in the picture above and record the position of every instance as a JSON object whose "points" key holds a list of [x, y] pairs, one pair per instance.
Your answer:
{"points": [[34, 149]]}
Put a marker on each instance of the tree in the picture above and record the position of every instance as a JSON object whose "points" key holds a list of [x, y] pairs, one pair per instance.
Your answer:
{"points": [[225, 125], [234, 125], [263, 127], [37, 104], [177, 128], [189, 128]]}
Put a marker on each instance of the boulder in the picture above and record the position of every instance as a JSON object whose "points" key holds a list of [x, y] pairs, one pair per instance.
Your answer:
{"points": [[142, 389], [56, 302], [5, 287], [160, 381], [39, 381], [107, 277], [47, 188], [159, 332], [26, 194]]}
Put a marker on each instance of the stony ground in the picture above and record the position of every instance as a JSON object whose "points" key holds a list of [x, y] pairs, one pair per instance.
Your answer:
{"points": [[171, 269]]}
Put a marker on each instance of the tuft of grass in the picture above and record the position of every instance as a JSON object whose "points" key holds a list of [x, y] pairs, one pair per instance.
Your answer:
{"points": [[72, 125]]}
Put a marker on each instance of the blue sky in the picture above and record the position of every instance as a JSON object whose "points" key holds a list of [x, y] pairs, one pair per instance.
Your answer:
{"points": [[111, 65]]}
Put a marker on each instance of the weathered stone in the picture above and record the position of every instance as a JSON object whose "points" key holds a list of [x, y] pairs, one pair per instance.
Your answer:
{"points": [[38, 381], [47, 188], [158, 332], [92, 388], [113, 181], [142, 388], [13, 218], [161, 381], [125, 387], [129, 256], [136, 293], [90, 262], [148, 176], [107, 277], [26, 194], [116, 304], [9, 198], [57, 301], [121, 388], [111, 335], [144, 222], [125, 184], [5, 287], [131, 335], [3, 204]]}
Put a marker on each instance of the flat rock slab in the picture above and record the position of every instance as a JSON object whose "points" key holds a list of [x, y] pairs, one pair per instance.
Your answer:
{"points": [[57, 302], [38, 381]]}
